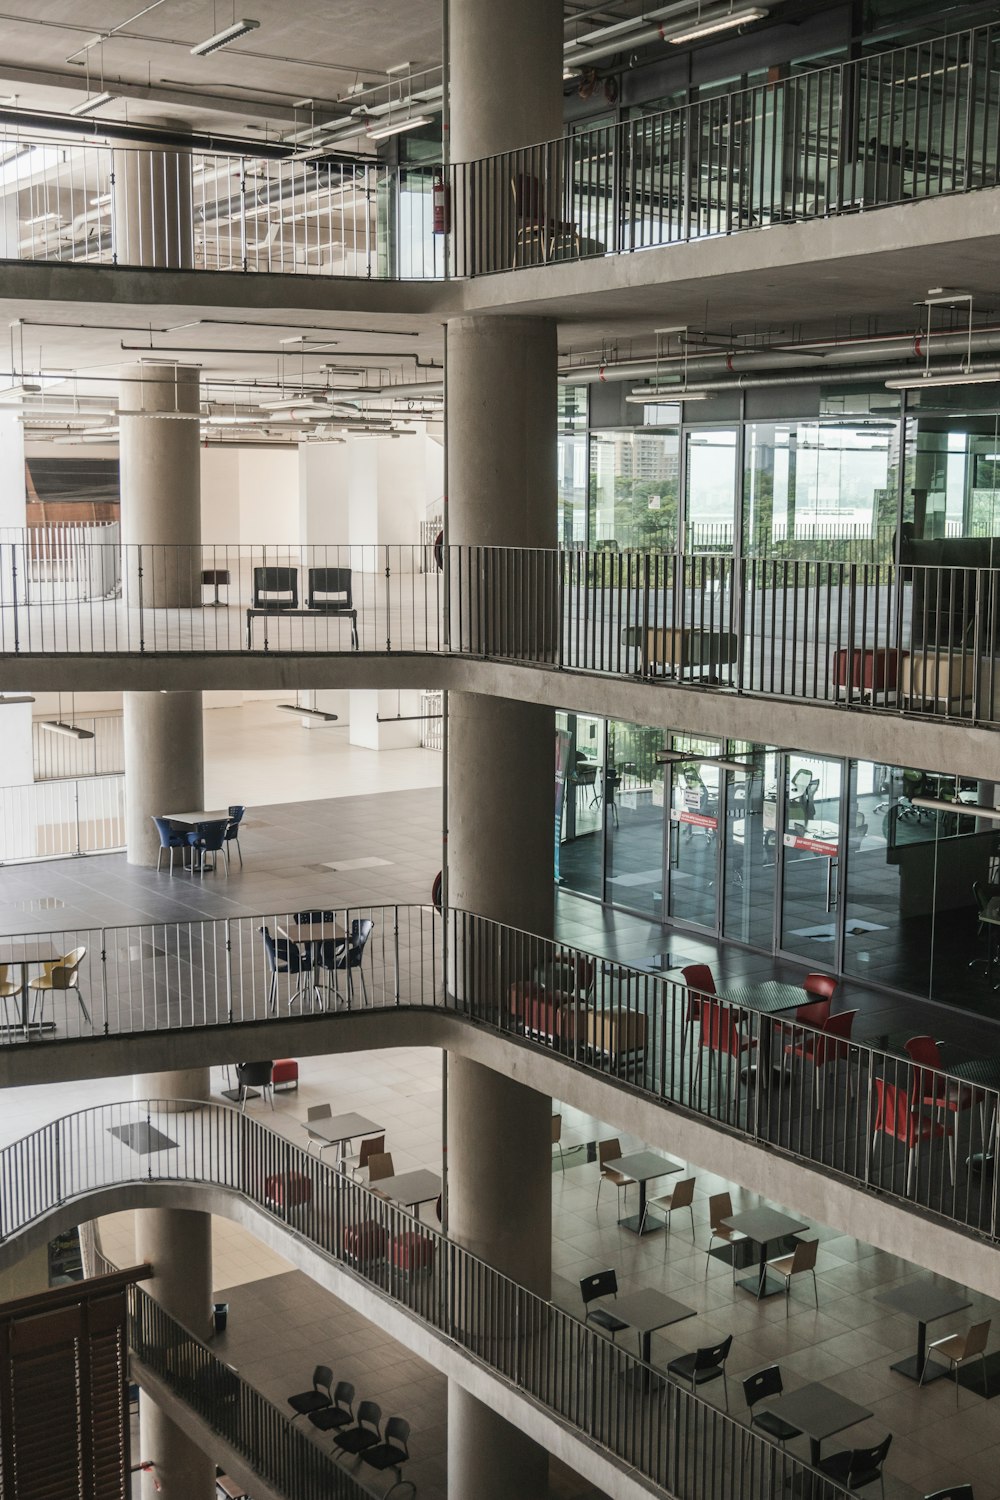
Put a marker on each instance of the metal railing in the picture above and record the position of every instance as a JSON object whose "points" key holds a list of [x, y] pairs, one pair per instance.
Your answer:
{"points": [[598, 1390], [282, 1454], [916, 122], [55, 819], [58, 756], [67, 199], [918, 638], [637, 1028], [67, 561]]}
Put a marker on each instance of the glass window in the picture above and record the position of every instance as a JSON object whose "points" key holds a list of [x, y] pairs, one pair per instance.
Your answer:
{"points": [[694, 833], [633, 490], [710, 489], [811, 839], [633, 817], [822, 490], [751, 847], [571, 451], [580, 762], [952, 483]]}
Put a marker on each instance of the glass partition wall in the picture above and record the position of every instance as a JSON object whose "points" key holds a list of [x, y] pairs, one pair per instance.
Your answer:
{"points": [[832, 864]]}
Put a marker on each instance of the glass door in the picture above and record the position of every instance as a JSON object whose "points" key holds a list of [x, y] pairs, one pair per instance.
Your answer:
{"points": [[812, 821], [751, 847], [710, 489], [693, 852]]}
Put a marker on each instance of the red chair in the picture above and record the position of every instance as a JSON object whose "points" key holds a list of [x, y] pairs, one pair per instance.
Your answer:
{"points": [[701, 986], [817, 1012], [895, 1118], [720, 1033], [821, 1048], [930, 1089]]}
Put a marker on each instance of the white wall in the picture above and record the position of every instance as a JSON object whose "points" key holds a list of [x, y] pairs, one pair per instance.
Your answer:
{"points": [[220, 496], [250, 496], [12, 486], [324, 470]]}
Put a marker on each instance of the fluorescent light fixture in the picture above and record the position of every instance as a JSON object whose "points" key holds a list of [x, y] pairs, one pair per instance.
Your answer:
{"points": [[44, 219], [223, 38], [673, 757], [967, 809], [98, 101], [99, 202], [569, 73], [307, 713], [643, 395], [712, 24], [381, 131], [56, 726], [8, 700], [967, 377]]}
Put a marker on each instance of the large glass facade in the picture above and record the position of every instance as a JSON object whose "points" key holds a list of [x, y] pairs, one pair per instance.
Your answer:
{"points": [[634, 478], [633, 817]]}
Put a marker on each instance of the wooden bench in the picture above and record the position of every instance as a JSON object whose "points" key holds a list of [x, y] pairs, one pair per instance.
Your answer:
{"points": [[277, 613], [678, 649], [617, 1034]]}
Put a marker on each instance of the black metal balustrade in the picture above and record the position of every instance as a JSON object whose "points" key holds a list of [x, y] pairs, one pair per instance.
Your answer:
{"points": [[263, 1435], [890, 127], [723, 1062], [916, 638], [598, 1390]]}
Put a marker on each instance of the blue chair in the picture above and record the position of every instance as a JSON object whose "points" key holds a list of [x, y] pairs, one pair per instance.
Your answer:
{"points": [[209, 838], [284, 957], [233, 830], [171, 837], [348, 955]]}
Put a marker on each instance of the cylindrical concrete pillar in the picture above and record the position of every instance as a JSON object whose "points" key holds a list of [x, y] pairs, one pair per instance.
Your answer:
{"points": [[160, 486], [152, 208], [164, 765], [500, 1208], [178, 1245]]}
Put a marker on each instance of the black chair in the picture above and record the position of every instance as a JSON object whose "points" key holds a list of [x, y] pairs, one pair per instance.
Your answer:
{"points": [[210, 838], [275, 588], [345, 955], [954, 1492], [233, 831], [330, 594], [392, 1453], [855, 1468], [321, 1394], [757, 1388], [311, 950], [254, 1075], [704, 1365], [364, 1434], [601, 1284], [339, 1413], [283, 957], [172, 836]]}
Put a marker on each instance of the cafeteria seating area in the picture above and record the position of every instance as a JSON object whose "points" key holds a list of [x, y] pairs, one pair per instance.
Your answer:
{"points": [[844, 1334]]}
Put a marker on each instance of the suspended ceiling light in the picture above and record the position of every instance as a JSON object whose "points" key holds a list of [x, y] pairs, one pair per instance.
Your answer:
{"points": [[223, 38], [967, 809], [386, 128], [712, 24], [642, 395], [967, 377], [8, 700], [98, 101], [307, 713], [72, 731]]}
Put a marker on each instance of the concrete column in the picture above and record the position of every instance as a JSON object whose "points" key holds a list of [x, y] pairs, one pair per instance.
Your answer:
{"points": [[164, 765], [160, 486], [152, 207], [500, 1208], [178, 1245]]}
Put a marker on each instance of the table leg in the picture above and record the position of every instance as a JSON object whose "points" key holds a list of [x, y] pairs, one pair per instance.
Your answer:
{"points": [[635, 1221], [912, 1366], [760, 1284]]}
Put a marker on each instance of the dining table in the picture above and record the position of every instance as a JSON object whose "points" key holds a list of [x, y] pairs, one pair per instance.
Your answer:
{"points": [[410, 1188], [643, 1167], [925, 1300], [768, 998], [190, 820], [819, 1412], [311, 932], [647, 1310], [763, 1226], [340, 1130]]}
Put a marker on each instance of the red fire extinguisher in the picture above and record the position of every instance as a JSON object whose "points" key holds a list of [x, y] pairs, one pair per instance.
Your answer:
{"points": [[441, 200]]}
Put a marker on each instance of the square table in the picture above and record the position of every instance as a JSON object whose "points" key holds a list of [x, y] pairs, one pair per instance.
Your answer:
{"points": [[646, 1311], [643, 1167], [411, 1188], [191, 820], [768, 999], [22, 955], [924, 1299], [762, 1225], [339, 1129], [819, 1412]]}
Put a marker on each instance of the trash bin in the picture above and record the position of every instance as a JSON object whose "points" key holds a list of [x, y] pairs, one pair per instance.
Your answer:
{"points": [[220, 1312]]}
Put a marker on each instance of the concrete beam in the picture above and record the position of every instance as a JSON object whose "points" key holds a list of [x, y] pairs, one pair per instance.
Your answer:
{"points": [[875, 734]]}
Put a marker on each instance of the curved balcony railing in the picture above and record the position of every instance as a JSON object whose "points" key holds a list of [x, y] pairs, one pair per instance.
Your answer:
{"points": [[720, 1059], [914, 638], [597, 1390]]}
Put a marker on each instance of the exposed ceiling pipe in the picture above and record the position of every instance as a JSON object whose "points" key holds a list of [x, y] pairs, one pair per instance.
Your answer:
{"points": [[150, 135], [823, 353], [835, 377], [628, 41]]}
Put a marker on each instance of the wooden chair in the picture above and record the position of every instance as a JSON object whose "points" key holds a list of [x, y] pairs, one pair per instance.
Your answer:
{"points": [[957, 1348], [8, 989], [374, 1146], [318, 1112], [610, 1151], [60, 976], [681, 1197], [720, 1206], [557, 1138], [802, 1259], [380, 1166]]}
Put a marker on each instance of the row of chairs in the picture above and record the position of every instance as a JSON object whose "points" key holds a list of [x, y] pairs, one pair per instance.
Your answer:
{"points": [[331, 1409], [330, 955], [58, 976]]}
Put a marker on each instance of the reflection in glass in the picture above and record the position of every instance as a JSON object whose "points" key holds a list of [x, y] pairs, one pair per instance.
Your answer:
{"points": [[633, 490], [710, 489], [751, 849], [811, 846], [952, 483], [582, 796], [633, 817]]}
